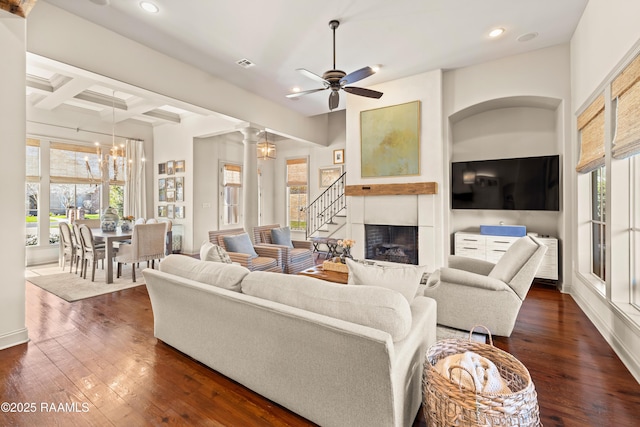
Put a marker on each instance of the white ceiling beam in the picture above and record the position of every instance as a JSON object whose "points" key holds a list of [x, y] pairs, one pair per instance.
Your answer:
{"points": [[60, 94]]}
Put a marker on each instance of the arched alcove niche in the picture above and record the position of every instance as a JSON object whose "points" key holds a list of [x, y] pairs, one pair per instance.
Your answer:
{"points": [[522, 126]]}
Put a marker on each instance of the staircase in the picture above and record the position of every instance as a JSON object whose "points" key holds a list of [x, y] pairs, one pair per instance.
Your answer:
{"points": [[326, 215]]}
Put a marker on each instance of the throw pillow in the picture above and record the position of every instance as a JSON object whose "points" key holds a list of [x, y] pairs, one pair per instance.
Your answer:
{"points": [[226, 276], [215, 253], [281, 236], [403, 279], [240, 243]]}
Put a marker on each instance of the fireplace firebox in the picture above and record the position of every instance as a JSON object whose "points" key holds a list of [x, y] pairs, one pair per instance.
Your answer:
{"points": [[393, 243]]}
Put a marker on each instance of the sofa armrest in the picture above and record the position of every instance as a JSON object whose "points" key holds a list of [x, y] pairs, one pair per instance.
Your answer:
{"points": [[242, 259], [473, 280], [302, 244], [470, 264]]}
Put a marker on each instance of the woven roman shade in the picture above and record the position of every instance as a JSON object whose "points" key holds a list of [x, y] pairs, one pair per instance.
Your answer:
{"points": [[591, 131], [296, 172], [626, 89]]}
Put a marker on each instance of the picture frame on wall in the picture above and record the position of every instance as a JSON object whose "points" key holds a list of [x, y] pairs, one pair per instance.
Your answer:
{"points": [[180, 189], [171, 167], [170, 211], [328, 175], [338, 156], [171, 195], [162, 190], [162, 168], [162, 211], [179, 166], [179, 212]]}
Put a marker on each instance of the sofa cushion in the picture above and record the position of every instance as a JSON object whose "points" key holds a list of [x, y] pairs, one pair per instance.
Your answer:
{"points": [[240, 243], [401, 278], [281, 236], [215, 253], [370, 306], [514, 259], [227, 276]]}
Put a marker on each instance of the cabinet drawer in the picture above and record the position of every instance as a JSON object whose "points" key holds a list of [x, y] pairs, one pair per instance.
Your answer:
{"points": [[470, 252]]}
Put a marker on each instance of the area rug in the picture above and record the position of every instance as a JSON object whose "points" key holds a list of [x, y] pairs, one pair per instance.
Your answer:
{"points": [[443, 332], [71, 287]]}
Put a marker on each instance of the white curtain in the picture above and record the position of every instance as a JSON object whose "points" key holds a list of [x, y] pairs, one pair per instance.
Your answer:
{"points": [[135, 193]]}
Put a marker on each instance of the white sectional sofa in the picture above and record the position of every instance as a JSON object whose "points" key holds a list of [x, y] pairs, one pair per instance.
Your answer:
{"points": [[338, 355]]}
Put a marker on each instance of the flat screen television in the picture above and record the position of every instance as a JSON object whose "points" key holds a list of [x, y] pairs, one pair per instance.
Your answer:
{"points": [[528, 183]]}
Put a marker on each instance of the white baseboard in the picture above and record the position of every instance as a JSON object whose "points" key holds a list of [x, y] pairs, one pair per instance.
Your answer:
{"points": [[20, 336]]}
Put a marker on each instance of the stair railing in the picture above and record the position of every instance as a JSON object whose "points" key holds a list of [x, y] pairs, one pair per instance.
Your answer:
{"points": [[326, 206]]}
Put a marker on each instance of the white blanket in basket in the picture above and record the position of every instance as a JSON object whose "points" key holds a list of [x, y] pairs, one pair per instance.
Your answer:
{"points": [[486, 376]]}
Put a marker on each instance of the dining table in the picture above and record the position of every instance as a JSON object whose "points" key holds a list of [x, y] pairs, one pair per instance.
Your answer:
{"points": [[109, 237]]}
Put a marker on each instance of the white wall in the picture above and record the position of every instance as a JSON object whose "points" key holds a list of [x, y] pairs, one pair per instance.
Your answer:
{"points": [[606, 33], [538, 79], [12, 122]]}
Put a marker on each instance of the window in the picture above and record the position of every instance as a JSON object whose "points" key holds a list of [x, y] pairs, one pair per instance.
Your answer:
{"points": [[297, 193], [231, 194], [635, 231], [32, 191], [598, 220]]}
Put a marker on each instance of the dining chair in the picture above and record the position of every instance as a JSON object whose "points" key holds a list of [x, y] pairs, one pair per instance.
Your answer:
{"points": [[147, 244], [77, 241], [91, 253], [90, 222], [68, 248]]}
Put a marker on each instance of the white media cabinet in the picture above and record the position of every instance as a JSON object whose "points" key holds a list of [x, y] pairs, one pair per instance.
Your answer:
{"points": [[491, 248]]}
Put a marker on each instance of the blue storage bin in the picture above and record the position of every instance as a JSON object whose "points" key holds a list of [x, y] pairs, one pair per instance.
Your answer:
{"points": [[504, 230]]}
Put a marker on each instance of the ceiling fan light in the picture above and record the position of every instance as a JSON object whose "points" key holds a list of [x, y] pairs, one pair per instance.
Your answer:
{"points": [[376, 68]]}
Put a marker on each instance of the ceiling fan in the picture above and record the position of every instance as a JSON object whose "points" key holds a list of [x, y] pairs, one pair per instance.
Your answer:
{"points": [[338, 79]]}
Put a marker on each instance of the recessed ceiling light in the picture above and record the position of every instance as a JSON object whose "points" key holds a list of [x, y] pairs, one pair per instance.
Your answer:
{"points": [[496, 32], [149, 7], [295, 89]]}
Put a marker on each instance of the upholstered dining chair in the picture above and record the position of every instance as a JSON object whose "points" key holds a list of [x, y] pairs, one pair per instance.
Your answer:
{"points": [[90, 252], [475, 292], [297, 255], [68, 246], [147, 244], [245, 253]]}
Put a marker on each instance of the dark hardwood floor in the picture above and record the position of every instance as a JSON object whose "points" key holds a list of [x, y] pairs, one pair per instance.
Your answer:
{"points": [[96, 362]]}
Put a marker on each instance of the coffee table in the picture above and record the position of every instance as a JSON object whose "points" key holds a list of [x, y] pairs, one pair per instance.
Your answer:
{"points": [[331, 276]]}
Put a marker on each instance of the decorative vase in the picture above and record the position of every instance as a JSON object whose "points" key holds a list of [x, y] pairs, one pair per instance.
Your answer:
{"points": [[109, 219], [125, 225], [346, 253]]}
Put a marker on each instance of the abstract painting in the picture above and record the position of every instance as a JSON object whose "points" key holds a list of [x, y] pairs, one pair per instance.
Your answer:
{"points": [[390, 140]]}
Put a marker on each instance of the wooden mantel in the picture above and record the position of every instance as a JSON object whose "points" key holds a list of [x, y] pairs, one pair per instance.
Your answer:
{"points": [[413, 188]]}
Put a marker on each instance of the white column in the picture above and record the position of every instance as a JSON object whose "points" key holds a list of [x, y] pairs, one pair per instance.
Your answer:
{"points": [[250, 197], [12, 175]]}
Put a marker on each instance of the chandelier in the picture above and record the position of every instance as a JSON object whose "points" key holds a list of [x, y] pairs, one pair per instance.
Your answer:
{"points": [[116, 156], [266, 150]]}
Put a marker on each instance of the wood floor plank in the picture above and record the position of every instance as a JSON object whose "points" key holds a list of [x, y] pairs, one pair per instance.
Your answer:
{"points": [[101, 352]]}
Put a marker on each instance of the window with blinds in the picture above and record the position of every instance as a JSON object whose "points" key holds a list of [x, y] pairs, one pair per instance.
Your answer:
{"points": [[297, 193], [625, 94], [591, 136]]}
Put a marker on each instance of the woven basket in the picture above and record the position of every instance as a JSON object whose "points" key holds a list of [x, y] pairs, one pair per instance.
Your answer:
{"points": [[335, 266], [448, 404]]}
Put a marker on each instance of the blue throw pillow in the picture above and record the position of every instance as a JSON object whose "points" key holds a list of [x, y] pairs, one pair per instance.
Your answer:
{"points": [[281, 236], [240, 243]]}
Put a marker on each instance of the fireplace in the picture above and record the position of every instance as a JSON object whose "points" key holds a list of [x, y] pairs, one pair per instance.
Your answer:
{"points": [[393, 243]]}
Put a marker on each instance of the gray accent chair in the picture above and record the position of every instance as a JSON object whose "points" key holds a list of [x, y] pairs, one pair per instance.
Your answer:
{"points": [[475, 292]]}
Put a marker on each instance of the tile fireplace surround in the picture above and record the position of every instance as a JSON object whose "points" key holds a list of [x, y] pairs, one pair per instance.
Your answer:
{"points": [[413, 210]]}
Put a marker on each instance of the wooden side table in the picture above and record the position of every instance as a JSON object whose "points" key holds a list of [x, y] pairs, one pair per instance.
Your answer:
{"points": [[330, 276]]}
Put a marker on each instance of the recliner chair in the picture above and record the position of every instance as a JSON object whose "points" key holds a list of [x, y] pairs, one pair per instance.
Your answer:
{"points": [[471, 291]]}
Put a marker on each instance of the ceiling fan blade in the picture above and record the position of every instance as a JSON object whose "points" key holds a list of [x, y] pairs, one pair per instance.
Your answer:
{"points": [[305, 92], [363, 92], [313, 76], [334, 99], [357, 75]]}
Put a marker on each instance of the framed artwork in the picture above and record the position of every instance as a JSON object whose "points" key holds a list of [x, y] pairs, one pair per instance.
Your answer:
{"points": [[170, 168], [390, 141], [162, 168], [328, 175], [171, 195], [179, 166], [338, 156], [180, 189], [171, 183], [162, 190], [162, 211], [179, 212], [170, 211]]}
